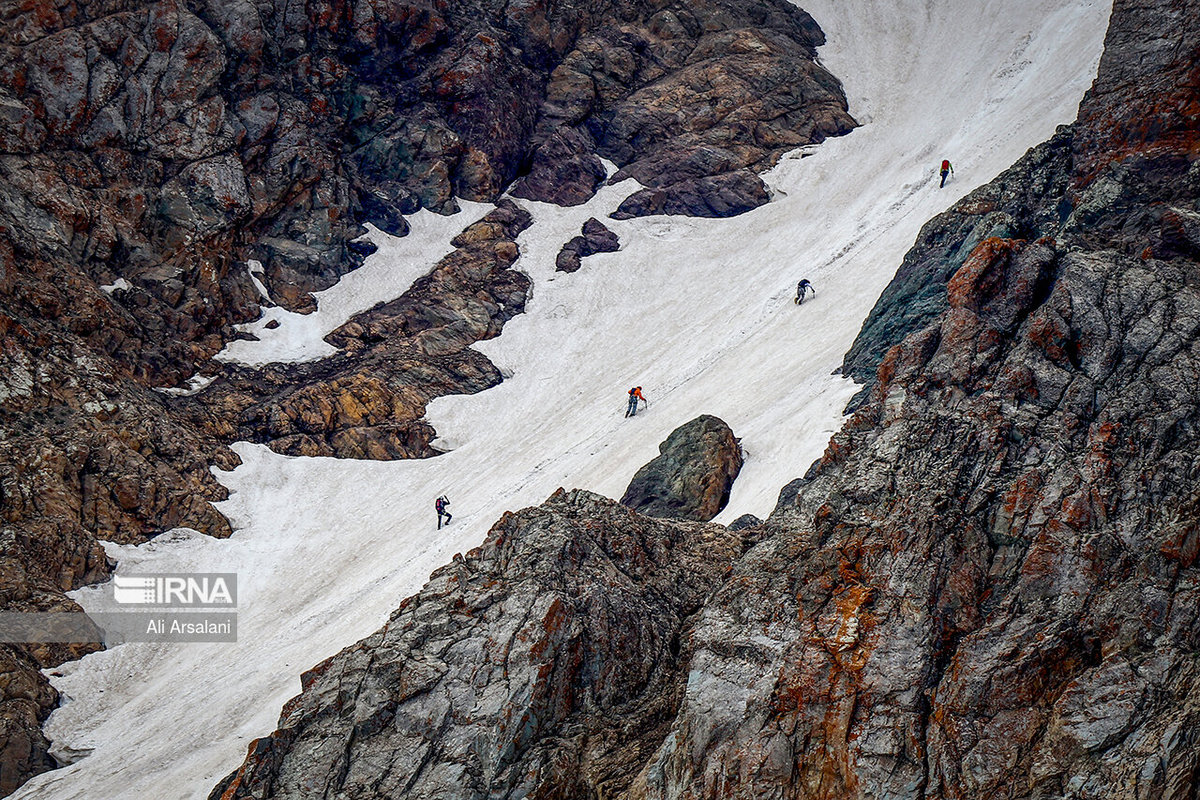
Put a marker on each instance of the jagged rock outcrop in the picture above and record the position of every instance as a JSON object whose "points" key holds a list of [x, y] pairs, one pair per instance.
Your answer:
{"points": [[745, 522], [990, 583], [975, 591], [594, 238], [663, 94], [1126, 160], [1025, 202], [186, 133], [530, 668], [693, 474], [26, 703]]}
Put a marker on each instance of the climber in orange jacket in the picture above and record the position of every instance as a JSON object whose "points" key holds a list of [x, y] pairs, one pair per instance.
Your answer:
{"points": [[946, 170], [635, 394]]}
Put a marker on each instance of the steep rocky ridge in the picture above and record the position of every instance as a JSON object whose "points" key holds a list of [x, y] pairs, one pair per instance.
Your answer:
{"points": [[530, 668], [1121, 177], [988, 586], [980, 588]]}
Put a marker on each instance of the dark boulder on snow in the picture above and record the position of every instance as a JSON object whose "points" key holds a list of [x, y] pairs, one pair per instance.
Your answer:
{"points": [[595, 238], [692, 476], [567, 170]]}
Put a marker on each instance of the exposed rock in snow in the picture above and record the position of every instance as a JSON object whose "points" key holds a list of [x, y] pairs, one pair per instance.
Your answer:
{"points": [[725, 195], [368, 401], [594, 238], [692, 475]]}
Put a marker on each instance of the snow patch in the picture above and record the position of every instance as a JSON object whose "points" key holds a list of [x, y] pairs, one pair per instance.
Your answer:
{"points": [[119, 283], [385, 275], [195, 384]]}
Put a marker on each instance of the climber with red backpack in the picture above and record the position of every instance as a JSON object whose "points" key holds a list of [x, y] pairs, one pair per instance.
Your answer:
{"points": [[440, 504], [635, 394], [946, 170]]}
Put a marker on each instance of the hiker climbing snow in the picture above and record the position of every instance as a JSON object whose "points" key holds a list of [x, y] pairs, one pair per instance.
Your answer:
{"points": [[801, 288], [946, 170], [440, 504], [635, 394]]}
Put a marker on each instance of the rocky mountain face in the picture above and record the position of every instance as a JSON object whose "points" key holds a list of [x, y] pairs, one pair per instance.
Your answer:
{"points": [[148, 150], [533, 667], [988, 586]]}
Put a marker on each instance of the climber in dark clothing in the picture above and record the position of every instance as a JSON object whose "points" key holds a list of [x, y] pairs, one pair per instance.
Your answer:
{"points": [[635, 394], [802, 287], [946, 170], [440, 504]]}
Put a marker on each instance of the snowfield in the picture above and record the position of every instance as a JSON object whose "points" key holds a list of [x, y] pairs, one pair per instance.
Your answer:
{"points": [[698, 312]]}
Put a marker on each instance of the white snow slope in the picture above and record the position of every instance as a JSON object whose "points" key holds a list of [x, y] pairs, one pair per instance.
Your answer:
{"points": [[698, 312]]}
